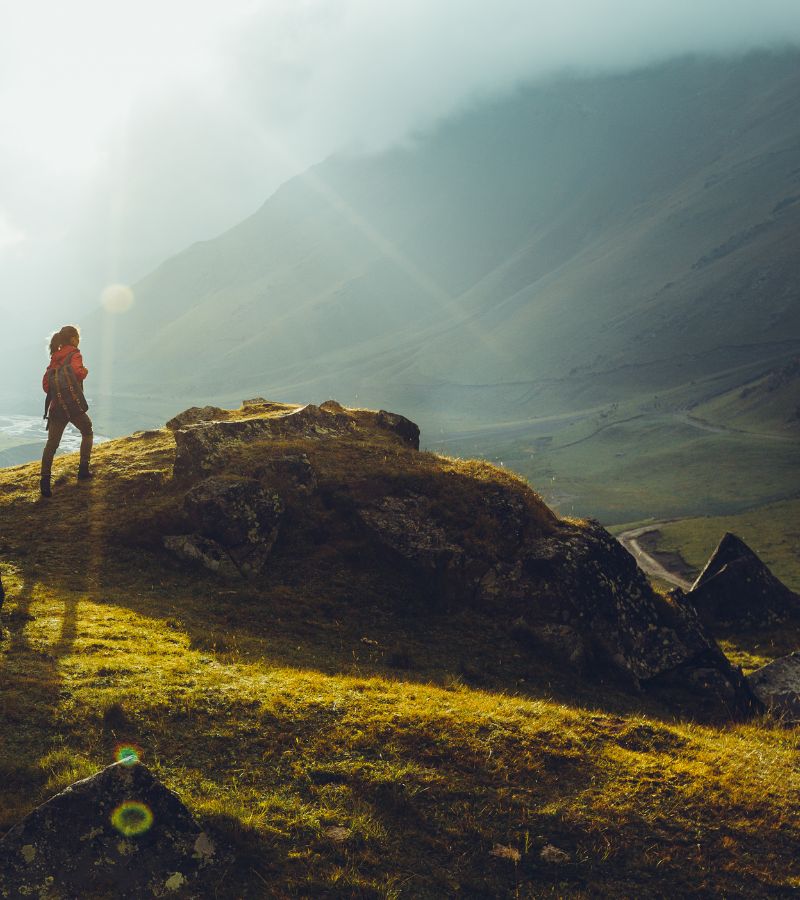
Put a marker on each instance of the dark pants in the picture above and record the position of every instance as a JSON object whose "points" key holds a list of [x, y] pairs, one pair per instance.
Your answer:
{"points": [[58, 422]]}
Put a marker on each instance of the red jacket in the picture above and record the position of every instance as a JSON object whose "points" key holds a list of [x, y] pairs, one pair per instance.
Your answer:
{"points": [[58, 358]]}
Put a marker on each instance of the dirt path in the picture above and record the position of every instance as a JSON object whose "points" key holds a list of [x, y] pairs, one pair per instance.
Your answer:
{"points": [[686, 418], [629, 540]]}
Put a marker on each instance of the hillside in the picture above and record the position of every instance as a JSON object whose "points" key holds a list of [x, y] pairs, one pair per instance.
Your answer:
{"points": [[372, 671], [578, 241], [621, 245]]}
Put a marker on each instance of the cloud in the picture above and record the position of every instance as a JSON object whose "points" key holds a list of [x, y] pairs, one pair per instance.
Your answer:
{"points": [[10, 234], [123, 143], [357, 73]]}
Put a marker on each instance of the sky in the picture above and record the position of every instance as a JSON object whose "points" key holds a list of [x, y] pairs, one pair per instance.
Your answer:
{"points": [[129, 130]]}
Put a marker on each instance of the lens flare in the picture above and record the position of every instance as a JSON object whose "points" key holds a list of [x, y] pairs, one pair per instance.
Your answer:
{"points": [[127, 754], [132, 818], [117, 298]]}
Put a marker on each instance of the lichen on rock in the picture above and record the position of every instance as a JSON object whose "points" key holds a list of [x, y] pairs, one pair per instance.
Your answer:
{"points": [[71, 847]]}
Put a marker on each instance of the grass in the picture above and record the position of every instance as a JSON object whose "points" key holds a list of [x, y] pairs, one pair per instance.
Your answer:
{"points": [[345, 737], [772, 531], [644, 458]]}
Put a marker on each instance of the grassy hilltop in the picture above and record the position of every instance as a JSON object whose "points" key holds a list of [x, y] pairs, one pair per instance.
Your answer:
{"points": [[347, 737]]}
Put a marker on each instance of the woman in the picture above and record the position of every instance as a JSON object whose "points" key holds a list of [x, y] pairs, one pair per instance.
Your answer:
{"points": [[63, 384]]}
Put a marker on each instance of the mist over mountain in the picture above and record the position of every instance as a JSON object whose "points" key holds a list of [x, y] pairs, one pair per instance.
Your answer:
{"points": [[578, 242]]}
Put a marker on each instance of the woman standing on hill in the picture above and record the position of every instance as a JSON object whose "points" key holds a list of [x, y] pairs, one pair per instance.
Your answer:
{"points": [[63, 384]]}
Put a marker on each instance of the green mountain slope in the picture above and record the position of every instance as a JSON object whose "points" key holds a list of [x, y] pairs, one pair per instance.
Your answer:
{"points": [[579, 239]]}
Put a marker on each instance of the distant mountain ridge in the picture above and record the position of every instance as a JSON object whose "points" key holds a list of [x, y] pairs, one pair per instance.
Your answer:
{"points": [[591, 237]]}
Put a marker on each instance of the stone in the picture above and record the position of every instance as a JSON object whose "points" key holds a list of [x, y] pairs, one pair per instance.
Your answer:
{"points": [[194, 548], [571, 590], [201, 448], [196, 414], [777, 686], [120, 833], [205, 446], [405, 527], [236, 522], [406, 430], [501, 851], [736, 588], [232, 511], [607, 597], [554, 855]]}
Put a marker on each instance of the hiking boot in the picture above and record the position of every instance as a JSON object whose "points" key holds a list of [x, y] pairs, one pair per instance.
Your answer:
{"points": [[84, 474], [44, 487]]}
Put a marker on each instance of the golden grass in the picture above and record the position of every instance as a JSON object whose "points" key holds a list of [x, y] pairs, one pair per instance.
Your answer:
{"points": [[281, 711]]}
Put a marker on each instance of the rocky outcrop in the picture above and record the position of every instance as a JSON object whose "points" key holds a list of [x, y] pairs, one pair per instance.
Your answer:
{"points": [[196, 414], [232, 510], [235, 523], [589, 582], [203, 447], [568, 590], [120, 833], [736, 588], [574, 593], [406, 430], [777, 686], [404, 526]]}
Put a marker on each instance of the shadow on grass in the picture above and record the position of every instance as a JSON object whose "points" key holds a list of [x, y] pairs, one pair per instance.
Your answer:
{"points": [[424, 839], [30, 687]]}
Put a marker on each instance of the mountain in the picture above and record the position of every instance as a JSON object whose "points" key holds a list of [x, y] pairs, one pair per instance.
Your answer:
{"points": [[366, 670], [561, 280], [581, 240]]}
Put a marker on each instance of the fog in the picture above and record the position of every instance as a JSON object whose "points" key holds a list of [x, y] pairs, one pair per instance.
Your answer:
{"points": [[126, 134]]}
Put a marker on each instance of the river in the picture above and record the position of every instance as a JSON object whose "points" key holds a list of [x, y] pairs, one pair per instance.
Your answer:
{"points": [[22, 439]]}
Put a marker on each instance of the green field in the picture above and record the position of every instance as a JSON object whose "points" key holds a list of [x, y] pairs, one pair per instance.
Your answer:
{"points": [[623, 468], [773, 532]]}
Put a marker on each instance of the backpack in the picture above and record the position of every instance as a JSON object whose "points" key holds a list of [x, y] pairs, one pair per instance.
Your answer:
{"points": [[65, 391]]}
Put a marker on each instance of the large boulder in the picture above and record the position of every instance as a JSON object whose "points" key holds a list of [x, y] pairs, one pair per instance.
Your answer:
{"points": [[582, 578], [204, 447], [403, 428], [120, 833], [236, 523], [736, 588], [232, 510], [404, 526], [777, 686], [570, 590]]}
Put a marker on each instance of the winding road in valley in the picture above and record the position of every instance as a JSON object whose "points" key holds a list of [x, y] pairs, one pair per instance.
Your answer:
{"points": [[647, 563]]}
